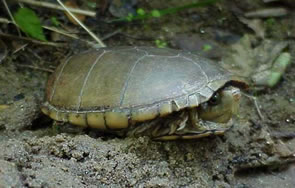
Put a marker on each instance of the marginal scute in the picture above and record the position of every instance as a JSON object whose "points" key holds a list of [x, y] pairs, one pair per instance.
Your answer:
{"points": [[193, 100], [143, 114], [116, 120], [53, 114], [165, 109], [202, 98], [78, 119], [45, 110], [179, 103], [215, 85], [62, 116], [206, 92], [96, 120]]}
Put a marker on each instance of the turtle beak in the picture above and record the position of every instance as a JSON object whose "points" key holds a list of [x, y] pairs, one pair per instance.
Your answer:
{"points": [[231, 100]]}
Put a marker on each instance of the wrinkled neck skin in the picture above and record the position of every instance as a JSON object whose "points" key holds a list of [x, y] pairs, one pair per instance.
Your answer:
{"points": [[194, 123]]}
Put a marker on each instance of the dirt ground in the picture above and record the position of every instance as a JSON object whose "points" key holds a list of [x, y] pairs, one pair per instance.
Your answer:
{"points": [[256, 152]]}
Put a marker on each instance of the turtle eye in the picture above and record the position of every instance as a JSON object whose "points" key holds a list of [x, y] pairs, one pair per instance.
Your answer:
{"points": [[215, 100]]}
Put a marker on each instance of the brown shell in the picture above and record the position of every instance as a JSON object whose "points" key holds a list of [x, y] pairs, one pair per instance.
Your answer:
{"points": [[111, 87]]}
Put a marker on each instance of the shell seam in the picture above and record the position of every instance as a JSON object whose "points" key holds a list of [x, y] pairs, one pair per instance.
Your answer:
{"points": [[86, 79], [58, 77]]}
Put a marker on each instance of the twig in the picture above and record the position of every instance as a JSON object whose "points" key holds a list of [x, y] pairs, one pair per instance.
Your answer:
{"points": [[11, 17], [35, 68], [258, 108], [82, 25], [54, 6], [111, 34], [20, 48], [254, 99], [4, 20], [65, 33], [33, 41], [266, 13]]}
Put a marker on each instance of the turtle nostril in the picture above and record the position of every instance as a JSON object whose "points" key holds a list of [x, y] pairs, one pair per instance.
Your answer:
{"points": [[236, 94]]}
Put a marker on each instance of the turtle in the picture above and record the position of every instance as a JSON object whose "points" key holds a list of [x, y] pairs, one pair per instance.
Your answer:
{"points": [[163, 93]]}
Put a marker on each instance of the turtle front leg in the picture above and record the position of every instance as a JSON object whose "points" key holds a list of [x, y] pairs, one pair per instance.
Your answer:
{"points": [[159, 127], [194, 120], [180, 125], [171, 125], [192, 128], [186, 125]]}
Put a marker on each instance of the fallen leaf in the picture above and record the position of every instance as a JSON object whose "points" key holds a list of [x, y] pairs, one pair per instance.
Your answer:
{"points": [[256, 25], [29, 23]]}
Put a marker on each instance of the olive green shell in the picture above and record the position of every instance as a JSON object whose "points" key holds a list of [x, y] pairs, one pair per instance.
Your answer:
{"points": [[110, 88]]}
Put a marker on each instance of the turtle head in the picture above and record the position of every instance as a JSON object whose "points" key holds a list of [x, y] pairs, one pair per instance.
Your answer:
{"points": [[221, 106]]}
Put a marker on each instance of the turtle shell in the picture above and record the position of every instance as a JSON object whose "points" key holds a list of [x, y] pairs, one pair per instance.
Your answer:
{"points": [[110, 88]]}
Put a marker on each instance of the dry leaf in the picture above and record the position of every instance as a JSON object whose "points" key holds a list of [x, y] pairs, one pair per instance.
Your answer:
{"points": [[256, 25]]}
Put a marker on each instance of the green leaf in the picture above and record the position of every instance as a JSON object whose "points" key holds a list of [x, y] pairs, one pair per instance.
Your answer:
{"points": [[207, 47], [129, 17], [54, 21], [156, 13], [29, 23], [161, 43], [140, 11]]}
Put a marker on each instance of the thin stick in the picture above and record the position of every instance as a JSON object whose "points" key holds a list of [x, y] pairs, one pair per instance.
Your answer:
{"points": [[54, 6], [258, 108], [254, 99], [35, 68], [33, 41], [82, 25], [59, 31], [111, 34], [4, 20], [62, 32], [20, 48], [11, 17]]}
